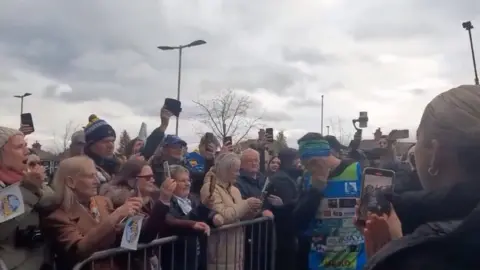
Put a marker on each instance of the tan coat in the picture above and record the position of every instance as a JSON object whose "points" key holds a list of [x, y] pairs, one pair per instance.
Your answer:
{"points": [[22, 258], [226, 248], [76, 233]]}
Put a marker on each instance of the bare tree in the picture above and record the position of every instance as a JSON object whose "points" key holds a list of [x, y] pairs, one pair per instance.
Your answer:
{"points": [[337, 129], [228, 115], [62, 141]]}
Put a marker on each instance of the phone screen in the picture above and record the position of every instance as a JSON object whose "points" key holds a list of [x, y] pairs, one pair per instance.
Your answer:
{"points": [[166, 169], [375, 182], [227, 140], [27, 123]]}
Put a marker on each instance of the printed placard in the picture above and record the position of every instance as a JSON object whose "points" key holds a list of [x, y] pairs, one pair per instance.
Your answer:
{"points": [[11, 203], [131, 232]]}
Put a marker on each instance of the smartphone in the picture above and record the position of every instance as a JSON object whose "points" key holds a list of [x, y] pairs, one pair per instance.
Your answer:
{"points": [[374, 183], [269, 134], [173, 105], [26, 121], [227, 140], [166, 170]]}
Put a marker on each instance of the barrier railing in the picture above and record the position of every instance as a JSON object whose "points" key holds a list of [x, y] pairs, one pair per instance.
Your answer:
{"points": [[246, 245], [3, 266]]}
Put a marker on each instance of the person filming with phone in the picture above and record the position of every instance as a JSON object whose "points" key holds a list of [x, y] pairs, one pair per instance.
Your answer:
{"points": [[171, 151], [199, 163], [445, 215]]}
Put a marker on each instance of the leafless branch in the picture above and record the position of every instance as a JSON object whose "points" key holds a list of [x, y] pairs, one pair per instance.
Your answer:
{"points": [[227, 115], [62, 141], [338, 130]]}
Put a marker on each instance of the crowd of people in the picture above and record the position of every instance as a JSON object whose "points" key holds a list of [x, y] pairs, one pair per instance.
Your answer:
{"points": [[306, 197]]}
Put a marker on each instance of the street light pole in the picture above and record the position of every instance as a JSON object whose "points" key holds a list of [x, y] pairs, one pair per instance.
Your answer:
{"points": [[180, 51], [178, 83], [321, 123], [468, 26]]}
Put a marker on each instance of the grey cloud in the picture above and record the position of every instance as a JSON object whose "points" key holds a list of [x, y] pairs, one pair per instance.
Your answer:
{"points": [[418, 91], [295, 103], [426, 19], [278, 116], [309, 56], [273, 78]]}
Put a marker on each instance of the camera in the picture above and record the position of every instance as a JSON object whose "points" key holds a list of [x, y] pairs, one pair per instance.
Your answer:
{"points": [[30, 237]]}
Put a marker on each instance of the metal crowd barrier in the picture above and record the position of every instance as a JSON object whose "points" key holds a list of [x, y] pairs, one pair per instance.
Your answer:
{"points": [[3, 266], [246, 245]]}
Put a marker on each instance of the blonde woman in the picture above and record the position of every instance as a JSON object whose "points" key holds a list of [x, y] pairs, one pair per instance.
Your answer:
{"points": [[84, 222], [228, 203]]}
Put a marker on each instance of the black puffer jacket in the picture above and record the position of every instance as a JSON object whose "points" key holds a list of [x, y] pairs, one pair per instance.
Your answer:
{"points": [[444, 225]]}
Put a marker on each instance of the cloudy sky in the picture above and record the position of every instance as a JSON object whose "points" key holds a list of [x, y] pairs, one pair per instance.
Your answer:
{"points": [[90, 56]]}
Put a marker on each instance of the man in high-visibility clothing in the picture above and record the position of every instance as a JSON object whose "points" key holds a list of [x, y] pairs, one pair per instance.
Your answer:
{"points": [[332, 242]]}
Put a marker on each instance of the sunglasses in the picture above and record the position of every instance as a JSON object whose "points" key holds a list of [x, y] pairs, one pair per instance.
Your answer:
{"points": [[146, 177]]}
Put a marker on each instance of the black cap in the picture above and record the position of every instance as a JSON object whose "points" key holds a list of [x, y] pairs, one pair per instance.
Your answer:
{"points": [[334, 143]]}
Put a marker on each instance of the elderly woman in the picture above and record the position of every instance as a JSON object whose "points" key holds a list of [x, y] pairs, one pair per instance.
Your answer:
{"points": [[228, 202], [446, 214], [85, 223], [20, 246]]}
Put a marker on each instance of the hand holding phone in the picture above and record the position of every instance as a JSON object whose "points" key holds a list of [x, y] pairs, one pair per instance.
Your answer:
{"points": [[372, 197], [227, 142], [166, 170], [26, 123]]}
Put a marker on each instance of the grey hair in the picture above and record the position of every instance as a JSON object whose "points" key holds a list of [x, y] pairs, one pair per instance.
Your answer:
{"points": [[224, 162], [177, 169]]}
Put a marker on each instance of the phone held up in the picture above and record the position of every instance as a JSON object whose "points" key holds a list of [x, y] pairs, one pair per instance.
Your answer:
{"points": [[209, 140], [227, 140], [374, 183], [26, 121], [166, 170], [269, 135]]}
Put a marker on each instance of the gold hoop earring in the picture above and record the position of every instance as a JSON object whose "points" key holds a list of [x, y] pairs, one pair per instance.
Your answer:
{"points": [[432, 172]]}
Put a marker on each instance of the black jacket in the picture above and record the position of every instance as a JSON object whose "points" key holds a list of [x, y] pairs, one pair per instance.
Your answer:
{"points": [[189, 250], [249, 186], [153, 141], [444, 226]]}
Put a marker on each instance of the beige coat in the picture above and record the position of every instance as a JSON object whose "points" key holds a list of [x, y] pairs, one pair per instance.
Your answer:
{"points": [[22, 258], [226, 248]]}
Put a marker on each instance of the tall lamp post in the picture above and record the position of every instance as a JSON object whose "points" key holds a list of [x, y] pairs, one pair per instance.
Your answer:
{"points": [[468, 26], [180, 50], [21, 97]]}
